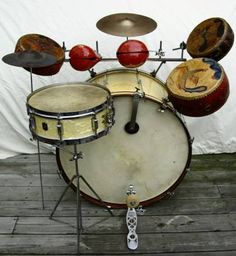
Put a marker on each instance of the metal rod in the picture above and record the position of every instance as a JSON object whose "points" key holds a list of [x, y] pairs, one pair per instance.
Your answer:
{"points": [[79, 212], [62, 195], [31, 80], [40, 174], [98, 197]]}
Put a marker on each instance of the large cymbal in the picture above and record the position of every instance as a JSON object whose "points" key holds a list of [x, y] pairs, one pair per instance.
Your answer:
{"points": [[29, 59], [126, 24]]}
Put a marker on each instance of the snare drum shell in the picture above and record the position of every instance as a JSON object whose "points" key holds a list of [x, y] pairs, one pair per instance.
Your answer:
{"points": [[73, 129]]}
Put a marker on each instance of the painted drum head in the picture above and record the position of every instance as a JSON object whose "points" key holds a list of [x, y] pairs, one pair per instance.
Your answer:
{"points": [[212, 38], [198, 87], [42, 44]]}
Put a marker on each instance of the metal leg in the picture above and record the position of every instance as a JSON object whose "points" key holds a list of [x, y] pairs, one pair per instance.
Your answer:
{"points": [[78, 210], [40, 175], [98, 197], [62, 195], [77, 175]]}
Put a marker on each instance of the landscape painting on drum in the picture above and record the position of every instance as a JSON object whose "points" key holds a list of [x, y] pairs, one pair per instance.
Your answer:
{"points": [[189, 50]]}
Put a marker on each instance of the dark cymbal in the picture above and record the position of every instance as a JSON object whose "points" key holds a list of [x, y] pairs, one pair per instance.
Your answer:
{"points": [[29, 59], [126, 24]]}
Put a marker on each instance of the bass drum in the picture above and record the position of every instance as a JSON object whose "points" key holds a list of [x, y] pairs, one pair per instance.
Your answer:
{"points": [[154, 159]]}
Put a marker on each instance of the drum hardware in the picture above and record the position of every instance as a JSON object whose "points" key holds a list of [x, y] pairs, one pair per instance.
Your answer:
{"points": [[164, 105], [132, 127], [191, 140], [76, 156], [181, 47], [29, 59], [32, 59], [126, 24], [131, 218], [94, 123], [170, 193], [59, 129]]}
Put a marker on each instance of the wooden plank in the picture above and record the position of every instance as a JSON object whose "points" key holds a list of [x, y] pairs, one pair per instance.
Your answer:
{"points": [[34, 193], [28, 168], [22, 178], [7, 224], [172, 206], [117, 225], [223, 253], [227, 190], [53, 192], [216, 177], [26, 180], [108, 244]]}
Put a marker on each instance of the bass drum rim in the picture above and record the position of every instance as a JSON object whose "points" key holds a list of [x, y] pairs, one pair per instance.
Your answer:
{"points": [[166, 194]]}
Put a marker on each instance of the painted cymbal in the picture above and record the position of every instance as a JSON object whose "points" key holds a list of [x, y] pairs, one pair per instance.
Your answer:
{"points": [[126, 24], [29, 59]]}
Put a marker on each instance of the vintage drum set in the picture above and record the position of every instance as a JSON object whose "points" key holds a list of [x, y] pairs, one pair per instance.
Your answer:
{"points": [[126, 122]]}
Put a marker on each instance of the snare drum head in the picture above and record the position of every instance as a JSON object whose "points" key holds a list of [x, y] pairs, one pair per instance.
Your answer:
{"points": [[153, 160], [67, 98]]}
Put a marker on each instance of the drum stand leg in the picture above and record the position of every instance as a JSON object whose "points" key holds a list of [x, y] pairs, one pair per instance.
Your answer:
{"points": [[40, 175], [77, 175]]}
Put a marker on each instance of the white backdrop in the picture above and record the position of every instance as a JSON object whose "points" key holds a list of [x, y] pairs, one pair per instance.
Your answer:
{"points": [[74, 22]]}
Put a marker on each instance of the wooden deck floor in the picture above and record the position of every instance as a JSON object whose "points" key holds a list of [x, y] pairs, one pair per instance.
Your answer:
{"points": [[199, 220]]}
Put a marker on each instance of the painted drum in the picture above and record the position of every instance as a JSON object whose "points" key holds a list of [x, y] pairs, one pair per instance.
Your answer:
{"points": [[70, 113], [42, 44], [132, 53], [154, 160], [82, 57], [212, 38], [198, 87]]}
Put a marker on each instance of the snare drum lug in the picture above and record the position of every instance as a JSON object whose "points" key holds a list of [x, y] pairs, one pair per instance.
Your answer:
{"points": [[94, 123], [60, 129], [32, 123]]}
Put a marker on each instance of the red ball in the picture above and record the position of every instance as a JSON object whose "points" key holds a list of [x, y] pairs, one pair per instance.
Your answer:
{"points": [[132, 53], [82, 57]]}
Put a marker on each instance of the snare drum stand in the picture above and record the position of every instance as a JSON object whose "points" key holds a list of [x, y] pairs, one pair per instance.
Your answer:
{"points": [[76, 156]]}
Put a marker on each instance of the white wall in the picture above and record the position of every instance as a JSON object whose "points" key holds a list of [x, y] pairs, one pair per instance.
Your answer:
{"points": [[74, 22]]}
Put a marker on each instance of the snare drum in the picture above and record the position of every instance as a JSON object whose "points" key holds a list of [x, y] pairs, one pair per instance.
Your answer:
{"points": [[70, 113], [198, 87], [154, 159]]}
